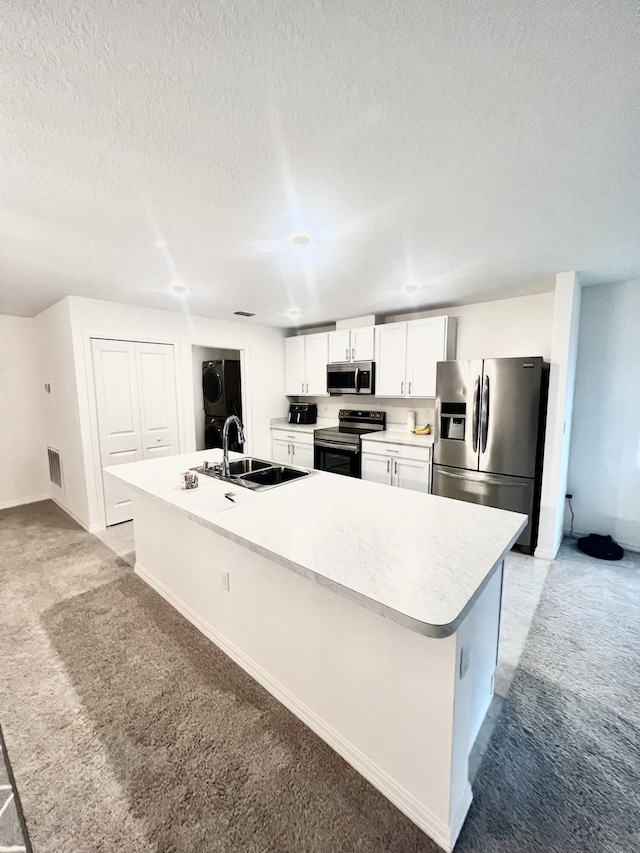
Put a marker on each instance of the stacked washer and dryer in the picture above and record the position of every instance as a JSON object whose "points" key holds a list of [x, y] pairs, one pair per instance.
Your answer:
{"points": [[222, 395]]}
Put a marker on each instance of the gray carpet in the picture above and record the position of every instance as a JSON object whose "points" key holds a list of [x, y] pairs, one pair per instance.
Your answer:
{"points": [[129, 731]]}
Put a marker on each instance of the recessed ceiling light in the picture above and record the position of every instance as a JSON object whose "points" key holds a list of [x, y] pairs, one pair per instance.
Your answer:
{"points": [[161, 244], [294, 312], [179, 288], [301, 238], [412, 286], [244, 313]]}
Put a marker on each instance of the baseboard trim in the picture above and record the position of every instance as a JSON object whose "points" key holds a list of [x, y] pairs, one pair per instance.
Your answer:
{"points": [[541, 554], [443, 835], [24, 501], [90, 528]]}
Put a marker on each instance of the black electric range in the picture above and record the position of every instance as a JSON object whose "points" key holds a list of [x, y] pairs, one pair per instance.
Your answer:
{"points": [[337, 449]]}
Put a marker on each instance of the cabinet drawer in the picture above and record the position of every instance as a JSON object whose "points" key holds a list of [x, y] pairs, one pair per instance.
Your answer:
{"points": [[296, 435], [398, 451]]}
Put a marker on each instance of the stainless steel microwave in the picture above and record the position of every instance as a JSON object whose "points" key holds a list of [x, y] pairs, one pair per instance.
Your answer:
{"points": [[356, 378]]}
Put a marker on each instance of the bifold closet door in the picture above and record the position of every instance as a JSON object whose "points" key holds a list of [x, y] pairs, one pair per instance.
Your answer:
{"points": [[136, 408]]}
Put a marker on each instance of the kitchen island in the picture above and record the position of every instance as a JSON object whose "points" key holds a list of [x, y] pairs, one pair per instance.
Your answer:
{"points": [[371, 613]]}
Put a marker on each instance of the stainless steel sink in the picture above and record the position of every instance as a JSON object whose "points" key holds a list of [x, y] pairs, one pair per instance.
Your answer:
{"points": [[247, 465], [254, 474], [274, 476]]}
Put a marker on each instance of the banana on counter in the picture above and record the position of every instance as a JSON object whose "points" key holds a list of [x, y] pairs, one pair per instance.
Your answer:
{"points": [[425, 430]]}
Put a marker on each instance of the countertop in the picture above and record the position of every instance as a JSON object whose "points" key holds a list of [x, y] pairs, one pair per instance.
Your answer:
{"points": [[399, 435], [418, 559], [283, 423]]}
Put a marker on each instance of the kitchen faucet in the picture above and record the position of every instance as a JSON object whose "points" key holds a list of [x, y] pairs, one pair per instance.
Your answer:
{"points": [[232, 419]]}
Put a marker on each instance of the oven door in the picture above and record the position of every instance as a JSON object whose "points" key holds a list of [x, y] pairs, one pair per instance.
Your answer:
{"points": [[336, 458]]}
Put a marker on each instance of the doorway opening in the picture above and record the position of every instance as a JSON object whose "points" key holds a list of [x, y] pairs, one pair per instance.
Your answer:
{"points": [[217, 393]]}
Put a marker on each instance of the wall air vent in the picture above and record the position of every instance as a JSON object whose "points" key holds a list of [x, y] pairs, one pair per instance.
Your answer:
{"points": [[55, 467], [244, 314]]}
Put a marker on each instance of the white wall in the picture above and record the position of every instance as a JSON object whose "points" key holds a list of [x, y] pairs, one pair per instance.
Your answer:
{"points": [[504, 328], [60, 413], [604, 466], [262, 358], [200, 354], [23, 459]]}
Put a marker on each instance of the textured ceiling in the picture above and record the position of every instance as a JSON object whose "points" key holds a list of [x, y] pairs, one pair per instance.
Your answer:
{"points": [[476, 148]]}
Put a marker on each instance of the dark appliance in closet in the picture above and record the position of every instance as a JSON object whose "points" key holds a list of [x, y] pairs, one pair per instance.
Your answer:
{"points": [[222, 396]]}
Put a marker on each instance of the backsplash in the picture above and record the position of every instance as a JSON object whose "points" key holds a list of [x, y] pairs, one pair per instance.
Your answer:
{"points": [[397, 410]]}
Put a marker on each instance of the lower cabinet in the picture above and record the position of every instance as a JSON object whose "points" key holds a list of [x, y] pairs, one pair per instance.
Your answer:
{"points": [[292, 447], [401, 465]]}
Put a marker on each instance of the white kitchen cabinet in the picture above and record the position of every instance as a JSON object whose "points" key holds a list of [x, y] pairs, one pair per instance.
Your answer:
{"points": [[306, 358], [429, 340], [400, 465], [391, 359], [352, 344], [407, 355], [292, 447]]}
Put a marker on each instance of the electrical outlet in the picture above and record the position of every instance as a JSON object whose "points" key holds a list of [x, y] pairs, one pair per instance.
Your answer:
{"points": [[225, 581]]}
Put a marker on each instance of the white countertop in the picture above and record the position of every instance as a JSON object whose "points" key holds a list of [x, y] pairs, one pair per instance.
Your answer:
{"points": [[283, 423], [399, 435], [418, 559]]}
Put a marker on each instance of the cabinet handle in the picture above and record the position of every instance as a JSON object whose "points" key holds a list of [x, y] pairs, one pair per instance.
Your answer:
{"points": [[307, 387], [347, 353], [353, 353], [402, 387], [293, 450], [303, 387], [396, 467], [288, 450], [409, 386], [388, 465]]}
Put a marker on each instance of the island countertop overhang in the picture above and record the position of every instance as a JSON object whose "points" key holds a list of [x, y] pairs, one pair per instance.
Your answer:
{"points": [[417, 559]]}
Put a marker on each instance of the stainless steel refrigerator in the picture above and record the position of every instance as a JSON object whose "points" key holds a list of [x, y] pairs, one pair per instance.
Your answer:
{"points": [[489, 435]]}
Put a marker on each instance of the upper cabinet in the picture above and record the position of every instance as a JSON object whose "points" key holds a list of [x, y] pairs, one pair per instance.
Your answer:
{"points": [[306, 358], [391, 360], [351, 344], [407, 355], [429, 341]]}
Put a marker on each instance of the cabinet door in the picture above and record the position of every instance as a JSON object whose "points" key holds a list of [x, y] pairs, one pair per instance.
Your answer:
{"points": [[339, 346], [116, 383], [280, 451], [376, 468], [302, 455], [362, 344], [391, 349], [294, 355], [412, 474], [426, 346], [157, 394], [316, 357]]}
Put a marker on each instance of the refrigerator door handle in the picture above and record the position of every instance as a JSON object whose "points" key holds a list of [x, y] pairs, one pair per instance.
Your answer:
{"points": [[476, 407], [484, 416], [484, 481]]}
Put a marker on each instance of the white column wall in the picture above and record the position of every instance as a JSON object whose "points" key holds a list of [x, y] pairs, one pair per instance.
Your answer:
{"points": [[564, 348]]}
